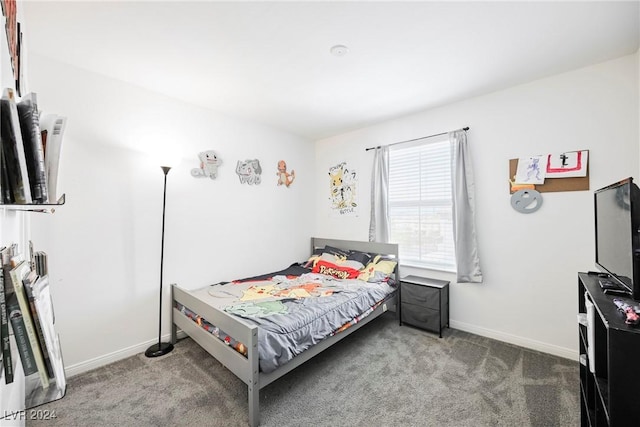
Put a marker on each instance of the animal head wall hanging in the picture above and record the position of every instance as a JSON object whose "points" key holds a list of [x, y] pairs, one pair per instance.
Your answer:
{"points": [[209, 163], [249, 172], [285, 178]]}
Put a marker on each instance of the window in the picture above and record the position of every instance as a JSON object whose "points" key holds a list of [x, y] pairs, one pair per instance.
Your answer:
{"points": [[420, 203]]}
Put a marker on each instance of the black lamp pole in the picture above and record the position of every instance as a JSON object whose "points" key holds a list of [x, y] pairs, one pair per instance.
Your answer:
{"points": [[161, 348]]}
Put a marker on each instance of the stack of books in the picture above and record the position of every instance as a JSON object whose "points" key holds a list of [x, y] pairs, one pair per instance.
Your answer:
{"points": [[30, 149], [26, 311]]}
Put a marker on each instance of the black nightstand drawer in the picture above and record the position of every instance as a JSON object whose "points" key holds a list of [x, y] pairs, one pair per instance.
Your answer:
{"points": [[421, 317], [420, 295], [424, 303]]}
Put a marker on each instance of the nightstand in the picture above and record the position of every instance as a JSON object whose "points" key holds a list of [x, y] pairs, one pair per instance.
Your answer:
{"points": [[424, 303]]}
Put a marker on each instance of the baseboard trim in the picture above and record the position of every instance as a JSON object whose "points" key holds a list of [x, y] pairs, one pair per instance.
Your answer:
{"points": [[566, 353], [88, 365], [563, 352]]}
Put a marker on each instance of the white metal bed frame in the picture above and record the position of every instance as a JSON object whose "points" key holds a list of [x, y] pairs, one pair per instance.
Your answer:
{"points": [[247, 368]]}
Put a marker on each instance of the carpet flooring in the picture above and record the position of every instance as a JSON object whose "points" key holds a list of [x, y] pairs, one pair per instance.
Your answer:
{"points": [[382, 375]]}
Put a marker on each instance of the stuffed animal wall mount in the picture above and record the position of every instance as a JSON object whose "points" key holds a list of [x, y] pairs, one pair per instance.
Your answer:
{"points": [[249, 171], [285, 178], [209, 162]]}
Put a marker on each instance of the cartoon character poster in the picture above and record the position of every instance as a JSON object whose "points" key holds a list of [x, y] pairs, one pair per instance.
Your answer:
{"points": [[249, 171], [285, 178], [14, 39], [209, 162], [343, 195]]}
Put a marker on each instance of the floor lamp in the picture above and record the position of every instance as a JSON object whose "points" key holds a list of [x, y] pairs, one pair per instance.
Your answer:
{"points": [[161, 348]]}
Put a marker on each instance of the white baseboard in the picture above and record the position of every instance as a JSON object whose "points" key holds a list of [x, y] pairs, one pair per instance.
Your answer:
{"points": [[566, 353], [100, 361]]}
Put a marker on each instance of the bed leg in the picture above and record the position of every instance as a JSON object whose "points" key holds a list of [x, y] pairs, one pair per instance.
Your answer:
{"points": [[254, 382], [174, 333], [174, 328], [254, 405]]}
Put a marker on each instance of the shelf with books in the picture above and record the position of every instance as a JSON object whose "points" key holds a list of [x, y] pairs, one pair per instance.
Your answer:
{"points": [[36, 207], [32, 356], [30, 152], [31, 141]]}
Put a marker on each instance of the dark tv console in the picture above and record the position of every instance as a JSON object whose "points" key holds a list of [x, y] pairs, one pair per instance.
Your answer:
{"points": [[609, 359]]}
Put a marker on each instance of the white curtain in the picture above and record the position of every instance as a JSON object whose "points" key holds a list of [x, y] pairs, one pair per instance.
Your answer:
{"points": [[379, 225], [464, 223]]}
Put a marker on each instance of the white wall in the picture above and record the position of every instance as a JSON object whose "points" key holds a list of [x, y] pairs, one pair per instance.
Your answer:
{"points": [[529, 261], [104, 244]]}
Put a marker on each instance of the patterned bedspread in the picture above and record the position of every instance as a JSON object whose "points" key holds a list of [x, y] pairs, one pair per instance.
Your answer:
{"points": [[292, 312]]}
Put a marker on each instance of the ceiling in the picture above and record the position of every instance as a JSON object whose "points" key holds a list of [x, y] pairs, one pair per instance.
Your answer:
{"points": [[271, 61]]}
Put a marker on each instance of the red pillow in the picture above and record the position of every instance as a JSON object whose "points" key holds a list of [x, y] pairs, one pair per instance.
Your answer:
{"points": [[330, 269]]}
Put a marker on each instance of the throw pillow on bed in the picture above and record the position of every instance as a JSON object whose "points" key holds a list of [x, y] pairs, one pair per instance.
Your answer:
{"points": [[341, 261], [362, 257], [334, 259], [335, 270], [335, 251], [377, 270], [330, 250]]}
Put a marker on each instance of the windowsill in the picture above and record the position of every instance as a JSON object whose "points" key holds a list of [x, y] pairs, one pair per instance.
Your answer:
{"points": [[422, 267], [421, 271]]}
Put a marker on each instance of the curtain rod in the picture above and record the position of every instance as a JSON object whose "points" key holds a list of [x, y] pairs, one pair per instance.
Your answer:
{"points": [[415, 139]]}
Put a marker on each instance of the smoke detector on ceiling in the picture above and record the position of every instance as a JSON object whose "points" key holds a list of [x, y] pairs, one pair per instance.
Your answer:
{"points": [[339, 50]]}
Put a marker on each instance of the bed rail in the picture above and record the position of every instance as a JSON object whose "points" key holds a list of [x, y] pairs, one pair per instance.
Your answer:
{"points": [[247, 369]]}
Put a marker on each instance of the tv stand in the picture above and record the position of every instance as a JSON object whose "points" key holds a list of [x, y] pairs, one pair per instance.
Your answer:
{"points": [[609, 365]]}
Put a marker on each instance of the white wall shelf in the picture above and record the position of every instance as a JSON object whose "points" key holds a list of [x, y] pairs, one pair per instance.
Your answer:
{"points": [[39, 207]]}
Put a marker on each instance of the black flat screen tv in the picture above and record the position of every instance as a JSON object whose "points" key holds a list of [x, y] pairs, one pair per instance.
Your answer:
{"points": [[617, 225]]}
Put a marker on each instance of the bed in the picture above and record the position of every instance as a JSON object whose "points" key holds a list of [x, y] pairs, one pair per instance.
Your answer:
{"points": [[263, 327]]}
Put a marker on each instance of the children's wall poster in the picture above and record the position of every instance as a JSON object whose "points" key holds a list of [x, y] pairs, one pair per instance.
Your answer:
{"points": [[531, 170], [567, 165], [14, 40], [343, 195]]}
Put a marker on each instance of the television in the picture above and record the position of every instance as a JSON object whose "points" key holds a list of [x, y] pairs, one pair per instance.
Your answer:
{"points": [[617, 226]]}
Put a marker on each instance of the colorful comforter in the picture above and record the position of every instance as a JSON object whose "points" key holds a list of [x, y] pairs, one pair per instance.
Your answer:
{"points": [[293, 313]]}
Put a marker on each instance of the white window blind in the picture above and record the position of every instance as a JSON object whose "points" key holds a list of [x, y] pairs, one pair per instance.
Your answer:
{"points": [[420, 203]]}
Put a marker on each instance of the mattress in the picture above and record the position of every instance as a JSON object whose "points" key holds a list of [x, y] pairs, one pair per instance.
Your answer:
{"points": [[294, 309]]}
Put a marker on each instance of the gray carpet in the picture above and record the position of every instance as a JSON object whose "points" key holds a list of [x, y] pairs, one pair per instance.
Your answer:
{"points": [[382, 375]]}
